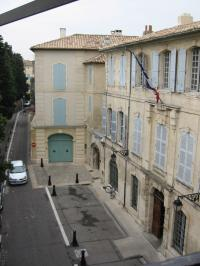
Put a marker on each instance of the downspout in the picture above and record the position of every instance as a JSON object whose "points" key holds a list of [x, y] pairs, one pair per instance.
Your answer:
{"points": [[127, 135]]}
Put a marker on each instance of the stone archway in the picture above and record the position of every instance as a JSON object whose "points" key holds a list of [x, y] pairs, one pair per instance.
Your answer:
{"points": [[158, 214], [95, 157]]}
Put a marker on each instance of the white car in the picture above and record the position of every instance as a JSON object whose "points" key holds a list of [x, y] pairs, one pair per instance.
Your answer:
{"points": [[18, 174]]}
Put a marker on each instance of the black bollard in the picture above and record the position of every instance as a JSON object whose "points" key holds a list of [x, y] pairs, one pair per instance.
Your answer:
{"points": [[77, 181], [41, 163], [54, 191], [83, 261], [74, 241], [49, 181]]}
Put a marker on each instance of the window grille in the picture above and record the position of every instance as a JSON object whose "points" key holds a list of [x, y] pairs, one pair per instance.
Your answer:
{"points": [[134, 200], [179, 231]]}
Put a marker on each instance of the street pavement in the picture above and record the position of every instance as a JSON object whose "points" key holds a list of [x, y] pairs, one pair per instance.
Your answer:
{"points": [[104, 229]]}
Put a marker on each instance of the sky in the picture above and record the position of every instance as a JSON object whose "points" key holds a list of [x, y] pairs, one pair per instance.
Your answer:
{"points": [[92, 17]]}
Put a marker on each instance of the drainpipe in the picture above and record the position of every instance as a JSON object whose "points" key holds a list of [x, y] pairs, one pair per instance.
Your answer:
{"points": [[127, 135]]}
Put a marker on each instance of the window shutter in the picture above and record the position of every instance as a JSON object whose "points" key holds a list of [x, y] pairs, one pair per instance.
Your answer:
{"points": [[59, 76], [125, 122], [113, 126], [181, 70], [104, 119], [124, 70], [121, 70], [133, 71], [112, 70], [90, 103], [172, 74], [154, 68], [59, 110], [109, 71]]}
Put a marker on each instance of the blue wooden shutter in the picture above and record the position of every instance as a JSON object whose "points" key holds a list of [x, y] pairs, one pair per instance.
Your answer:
{"points": [[90, 103], [181, 70], [124, 70], [133, 71], [154, 68], [172, 74], [125, 122], [104, 119], [59, 111], [113, 126], [59, 76]]}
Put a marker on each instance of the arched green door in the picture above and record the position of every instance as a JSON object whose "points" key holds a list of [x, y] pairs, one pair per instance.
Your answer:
{"points": [[60, 148]]}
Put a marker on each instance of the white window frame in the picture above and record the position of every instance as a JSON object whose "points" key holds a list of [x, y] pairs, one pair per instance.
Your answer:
{"points": [[160, 146], [109, 122], [195, 69], [120, 126], [166, 69]]}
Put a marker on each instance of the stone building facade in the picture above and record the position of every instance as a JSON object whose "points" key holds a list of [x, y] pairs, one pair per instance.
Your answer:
{"points": [[69, 84], [149, 151]]}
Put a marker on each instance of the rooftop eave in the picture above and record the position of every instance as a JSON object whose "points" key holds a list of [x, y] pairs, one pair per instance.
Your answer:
{"points": [[153, 39]]}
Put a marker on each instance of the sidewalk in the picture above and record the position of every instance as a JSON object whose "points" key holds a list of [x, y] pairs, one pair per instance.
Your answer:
{"points": [[103, 226]]}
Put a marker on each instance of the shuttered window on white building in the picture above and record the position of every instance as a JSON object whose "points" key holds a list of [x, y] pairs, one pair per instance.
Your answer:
{"points": [[137, 136], [184, 170], [160, 149]]}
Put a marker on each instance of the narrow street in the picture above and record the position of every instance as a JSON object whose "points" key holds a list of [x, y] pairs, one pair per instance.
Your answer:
{"points": [[30, 235]]}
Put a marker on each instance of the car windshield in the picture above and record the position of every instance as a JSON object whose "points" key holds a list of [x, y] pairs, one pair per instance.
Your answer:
{"points": [[18, 169]]}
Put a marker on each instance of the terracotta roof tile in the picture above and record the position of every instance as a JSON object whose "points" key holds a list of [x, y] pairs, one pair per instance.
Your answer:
{"points": [[99, 59], [84, 41], [174, 31]]}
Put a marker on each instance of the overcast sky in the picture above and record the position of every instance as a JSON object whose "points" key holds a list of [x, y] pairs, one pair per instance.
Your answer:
{"points": [[93, 17]]}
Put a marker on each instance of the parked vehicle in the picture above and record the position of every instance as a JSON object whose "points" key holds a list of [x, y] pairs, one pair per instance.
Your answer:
{"points": [[18, 174]]}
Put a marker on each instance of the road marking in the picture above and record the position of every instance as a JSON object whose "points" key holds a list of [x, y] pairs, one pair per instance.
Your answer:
{"points": [[13, 132], [57, 218]]}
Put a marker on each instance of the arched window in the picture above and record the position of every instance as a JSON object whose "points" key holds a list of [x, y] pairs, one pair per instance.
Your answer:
{"points": [[179, 231], [113, 172], [137, 135], [59, 111], [184, 170]]}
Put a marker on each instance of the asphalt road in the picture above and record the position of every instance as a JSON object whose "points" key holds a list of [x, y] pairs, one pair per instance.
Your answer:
{"points": [[30, 235]]}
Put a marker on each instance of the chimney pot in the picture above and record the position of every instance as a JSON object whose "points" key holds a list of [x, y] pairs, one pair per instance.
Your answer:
{"points": [[62, 32]]}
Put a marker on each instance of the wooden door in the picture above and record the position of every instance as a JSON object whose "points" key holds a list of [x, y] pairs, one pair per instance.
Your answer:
{"points": [[158, 214]]}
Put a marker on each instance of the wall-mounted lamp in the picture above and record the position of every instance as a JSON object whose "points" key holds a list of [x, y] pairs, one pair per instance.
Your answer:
{"points": [[194, 198]]}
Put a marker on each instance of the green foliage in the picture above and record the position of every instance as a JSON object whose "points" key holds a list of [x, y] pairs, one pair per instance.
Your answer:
{"points": [[2, 127], [3, 167], [12, 79]]}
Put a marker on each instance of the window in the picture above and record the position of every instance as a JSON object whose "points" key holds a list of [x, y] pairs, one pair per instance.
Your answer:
{"points": [[90, 74], [111, 70], [137, 135], [89, 103], [121, 127], [59, 76], [195, 81], [59, 111], [185, 158], [161, 139], [113, 172], [140, 75], [166, 69], [122, 70], [103, 121], [109, 122], [134, 199], [179, 231]]}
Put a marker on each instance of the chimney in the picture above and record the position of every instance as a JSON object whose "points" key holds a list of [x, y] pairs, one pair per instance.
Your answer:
{"points": [[148, 29], [116, 32], [185, 18], [62, 32]]}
